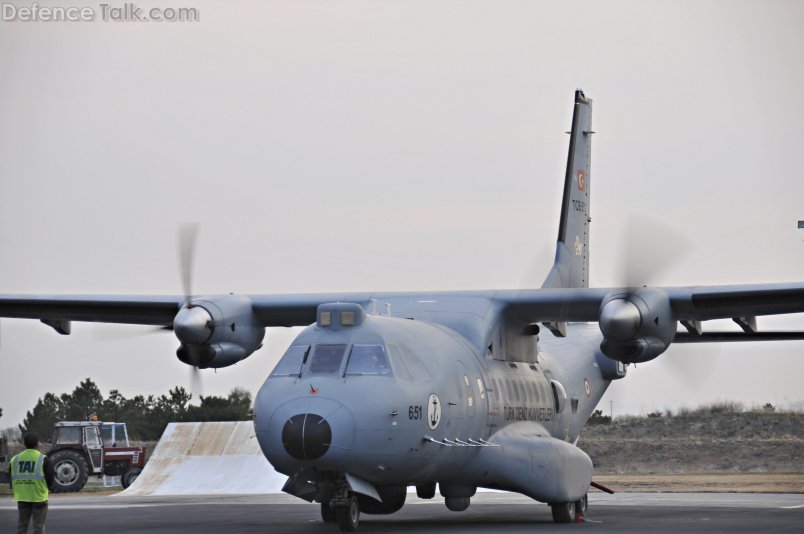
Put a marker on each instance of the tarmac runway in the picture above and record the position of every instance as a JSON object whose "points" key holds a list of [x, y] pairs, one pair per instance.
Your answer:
{"points": [[498, 512]]}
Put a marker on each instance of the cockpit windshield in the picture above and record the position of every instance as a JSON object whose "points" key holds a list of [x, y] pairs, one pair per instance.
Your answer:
{"points": [[326, 359], [368, 360], [291, 363]]}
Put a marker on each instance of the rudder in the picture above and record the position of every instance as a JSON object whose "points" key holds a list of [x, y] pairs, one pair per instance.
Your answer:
{"points": [[571, 267]]}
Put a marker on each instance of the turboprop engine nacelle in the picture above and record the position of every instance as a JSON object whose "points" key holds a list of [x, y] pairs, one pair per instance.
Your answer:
{"points": [[637, 325], [217, 331]]}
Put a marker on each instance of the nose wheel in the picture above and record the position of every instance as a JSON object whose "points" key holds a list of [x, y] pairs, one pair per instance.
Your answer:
{"points": [[328, 514], [348, 514]]}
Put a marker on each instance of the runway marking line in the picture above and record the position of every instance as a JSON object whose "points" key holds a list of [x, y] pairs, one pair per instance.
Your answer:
{"points": [[793, 507]]}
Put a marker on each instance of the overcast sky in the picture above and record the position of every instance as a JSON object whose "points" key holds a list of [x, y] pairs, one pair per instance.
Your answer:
{"points": [[378, 145]]}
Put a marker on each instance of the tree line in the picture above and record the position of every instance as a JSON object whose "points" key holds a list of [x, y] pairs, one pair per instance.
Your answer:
{"points": [[146, 417]]}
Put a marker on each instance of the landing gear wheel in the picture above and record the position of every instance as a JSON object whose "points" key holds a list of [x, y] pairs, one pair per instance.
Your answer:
{"points": [[563, 512], [70, 471], [582, 505], [328, 515], [393, 499], [130, 476], [426, 490], [349, 515]]}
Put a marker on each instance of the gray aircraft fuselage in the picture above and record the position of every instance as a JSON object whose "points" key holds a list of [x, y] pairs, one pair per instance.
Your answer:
{"points": [[459, 400]]}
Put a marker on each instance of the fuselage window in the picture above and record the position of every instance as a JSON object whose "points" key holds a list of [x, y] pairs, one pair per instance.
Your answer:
{"points": [[515, 390], [481, 389], [326, 359], [522, 391], [368, 360], [292, 362], [470, 398]]}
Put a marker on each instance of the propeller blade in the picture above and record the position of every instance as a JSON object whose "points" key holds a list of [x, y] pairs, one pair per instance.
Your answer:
{"points": [[693, 365], [188, 235], [195, 382], [651, 248]]}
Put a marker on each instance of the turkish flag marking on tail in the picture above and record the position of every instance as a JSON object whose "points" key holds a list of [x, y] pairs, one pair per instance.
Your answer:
{"points": [[581, 181]]}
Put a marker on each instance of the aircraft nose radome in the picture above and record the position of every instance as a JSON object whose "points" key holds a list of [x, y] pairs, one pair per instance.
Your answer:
{"points": [[306, 436]]}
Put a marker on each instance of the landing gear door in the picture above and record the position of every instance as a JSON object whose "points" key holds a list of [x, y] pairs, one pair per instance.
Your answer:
{"points": [[92, 441]]}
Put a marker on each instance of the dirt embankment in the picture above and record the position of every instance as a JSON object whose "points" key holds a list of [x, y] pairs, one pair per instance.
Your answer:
{"points": [[698, 442]]}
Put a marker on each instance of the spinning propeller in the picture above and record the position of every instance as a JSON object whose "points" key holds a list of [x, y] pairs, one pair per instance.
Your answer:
{"points": [[192, 324], [637, 322]]}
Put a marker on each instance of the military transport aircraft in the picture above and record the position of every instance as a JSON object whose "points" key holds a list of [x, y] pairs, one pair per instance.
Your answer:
{"points": [[463, 389]]}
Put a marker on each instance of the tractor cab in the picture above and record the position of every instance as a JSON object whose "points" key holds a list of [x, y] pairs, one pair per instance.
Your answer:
{"points": [[83, 448]]}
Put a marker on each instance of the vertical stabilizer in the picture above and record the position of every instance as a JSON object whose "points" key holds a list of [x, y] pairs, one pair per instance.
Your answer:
{"points": [[571, 267]]}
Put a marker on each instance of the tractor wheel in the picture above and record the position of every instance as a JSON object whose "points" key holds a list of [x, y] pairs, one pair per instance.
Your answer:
{"points": [[130, 476], [70, 471]]}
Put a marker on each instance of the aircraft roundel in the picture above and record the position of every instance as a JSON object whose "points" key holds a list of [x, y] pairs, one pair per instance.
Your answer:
{"points": [[581, 177], [586, 387], [433, 411]]}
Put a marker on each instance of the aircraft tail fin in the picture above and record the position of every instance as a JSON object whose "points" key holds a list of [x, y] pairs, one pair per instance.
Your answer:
{"points": [[571, 267]]}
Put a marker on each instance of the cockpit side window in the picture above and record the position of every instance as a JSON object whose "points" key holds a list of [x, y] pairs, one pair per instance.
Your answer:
{"points": [[406, 364], [326, 359], [292, 362], [368, 360]]}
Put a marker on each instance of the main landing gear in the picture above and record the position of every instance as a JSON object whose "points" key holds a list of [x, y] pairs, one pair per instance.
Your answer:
{"points": [[569, 512]]}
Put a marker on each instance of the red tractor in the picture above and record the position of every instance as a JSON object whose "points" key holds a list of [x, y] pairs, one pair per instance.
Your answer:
{"points": [[83, 448]]}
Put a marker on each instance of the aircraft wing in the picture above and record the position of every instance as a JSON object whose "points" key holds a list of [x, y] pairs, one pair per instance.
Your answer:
{"points": [[666, 306], [145, 310], [720, 302], [700, 303], [688, 304], [271, 310]]}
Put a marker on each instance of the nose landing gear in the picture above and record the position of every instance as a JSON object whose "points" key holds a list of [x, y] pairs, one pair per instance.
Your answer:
{"points": [[348, 515], [344, 509]]}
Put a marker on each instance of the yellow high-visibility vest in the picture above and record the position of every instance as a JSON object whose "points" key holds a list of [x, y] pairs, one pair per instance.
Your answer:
{"points": [[28, 476]]}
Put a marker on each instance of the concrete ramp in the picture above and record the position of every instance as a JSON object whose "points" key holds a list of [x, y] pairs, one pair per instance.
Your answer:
{"points": [[207, 459]]}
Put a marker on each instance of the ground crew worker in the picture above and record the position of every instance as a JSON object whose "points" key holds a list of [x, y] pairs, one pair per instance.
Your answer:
{"points": [[31, 476]]}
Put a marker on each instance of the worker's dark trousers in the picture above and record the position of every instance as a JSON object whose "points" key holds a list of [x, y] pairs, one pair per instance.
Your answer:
{"points": [[37, 510]]}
